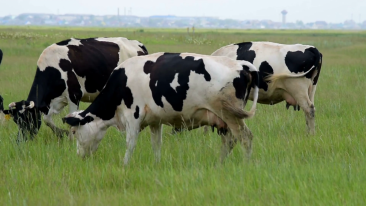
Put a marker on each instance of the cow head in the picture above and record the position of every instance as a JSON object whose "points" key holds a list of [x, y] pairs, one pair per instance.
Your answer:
{"points": [[87, 131], [27, 117]]}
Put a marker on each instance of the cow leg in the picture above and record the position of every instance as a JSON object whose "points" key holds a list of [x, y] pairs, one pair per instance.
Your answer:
{"points": [[131, 139], [72, 108], [238, 131], [156, 140], [228, 143], [299, 89], [206, 129], [55, 107]]}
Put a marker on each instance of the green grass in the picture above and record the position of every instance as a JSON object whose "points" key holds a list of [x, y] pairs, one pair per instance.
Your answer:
{"points": [[287, 166]]}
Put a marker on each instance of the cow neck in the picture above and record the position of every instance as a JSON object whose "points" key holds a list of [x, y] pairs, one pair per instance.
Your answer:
{"points": [[114, 93], [47, 85]]}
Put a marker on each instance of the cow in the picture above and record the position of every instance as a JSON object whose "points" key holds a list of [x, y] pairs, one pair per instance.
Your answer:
{"points": [[1, 56], [1, 103], [1, 109], [176, 89], [286, 73], [68, 72]]}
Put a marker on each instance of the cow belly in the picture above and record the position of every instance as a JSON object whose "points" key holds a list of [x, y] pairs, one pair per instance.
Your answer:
{"points": [[189, 120], [269, 97]]}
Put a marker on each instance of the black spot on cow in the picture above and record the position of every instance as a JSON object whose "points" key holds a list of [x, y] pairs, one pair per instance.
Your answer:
{"points": [[106, 103], [241, 83], [97, 66], [145, 52], [162, 73], [73, 85], [64, 42], [137, 112], [265, 70], [243, 52], [299, 61]]}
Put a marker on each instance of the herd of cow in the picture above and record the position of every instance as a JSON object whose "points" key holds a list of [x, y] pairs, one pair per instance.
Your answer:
{"points": [[130, 90]]}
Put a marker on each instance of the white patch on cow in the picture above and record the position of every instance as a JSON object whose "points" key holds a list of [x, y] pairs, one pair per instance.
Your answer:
{"points": [[75, 42], [51, 57], [23, 110], [175, 83], [229, 51], [156, 83]]}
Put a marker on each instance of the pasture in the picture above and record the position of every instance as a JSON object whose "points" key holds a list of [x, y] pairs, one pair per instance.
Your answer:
{"points": [[287, 166]]}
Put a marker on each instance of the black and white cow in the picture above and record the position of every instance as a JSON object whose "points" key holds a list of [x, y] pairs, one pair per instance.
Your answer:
{"points": [[1, 103], [1, 56], [1, 109], [181, 90], [286, 72], [68, 72]]}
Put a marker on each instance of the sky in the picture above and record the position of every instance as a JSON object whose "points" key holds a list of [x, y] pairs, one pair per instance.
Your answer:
{"points": [[304, 10]]}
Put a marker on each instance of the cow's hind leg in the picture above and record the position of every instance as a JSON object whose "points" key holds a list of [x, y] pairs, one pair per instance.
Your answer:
{"points": [[228, 143], [156, 140], [237, 131], [299, 89]]}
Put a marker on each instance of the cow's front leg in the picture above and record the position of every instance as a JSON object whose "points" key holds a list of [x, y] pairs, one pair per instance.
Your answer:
{"points": [[131, 139], [58, 131], [55, 107], [72, 108]]}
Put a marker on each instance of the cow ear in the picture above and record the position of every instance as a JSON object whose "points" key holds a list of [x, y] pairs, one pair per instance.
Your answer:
{"points": [[73, 121]]}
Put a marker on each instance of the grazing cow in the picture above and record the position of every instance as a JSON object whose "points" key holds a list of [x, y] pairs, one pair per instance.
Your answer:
{"points": [[1, 109], [1, 56], [68, 72], [184, 89], [1, 103], [286, 72]]}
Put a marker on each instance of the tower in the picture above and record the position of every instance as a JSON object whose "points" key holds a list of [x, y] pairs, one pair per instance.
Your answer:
{"points": [[284, 12]]}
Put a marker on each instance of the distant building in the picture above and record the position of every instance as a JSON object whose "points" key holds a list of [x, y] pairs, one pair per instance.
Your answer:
{"points": [[284, 13], [168, 21]]}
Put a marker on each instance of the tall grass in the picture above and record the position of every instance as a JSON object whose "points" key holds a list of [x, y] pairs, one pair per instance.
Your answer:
{"points": [[287, 166]]}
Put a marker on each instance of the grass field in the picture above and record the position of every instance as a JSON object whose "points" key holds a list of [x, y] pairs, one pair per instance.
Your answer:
{"points": [[287, 166]]}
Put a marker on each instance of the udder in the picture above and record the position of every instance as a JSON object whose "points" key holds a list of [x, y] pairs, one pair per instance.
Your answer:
{"points": [[289, 99]]}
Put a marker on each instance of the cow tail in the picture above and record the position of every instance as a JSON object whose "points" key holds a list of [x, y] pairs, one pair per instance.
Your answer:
{"points": [[255, 85], [239, 112], [315, 80], [235, 111], [317, 65]]}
